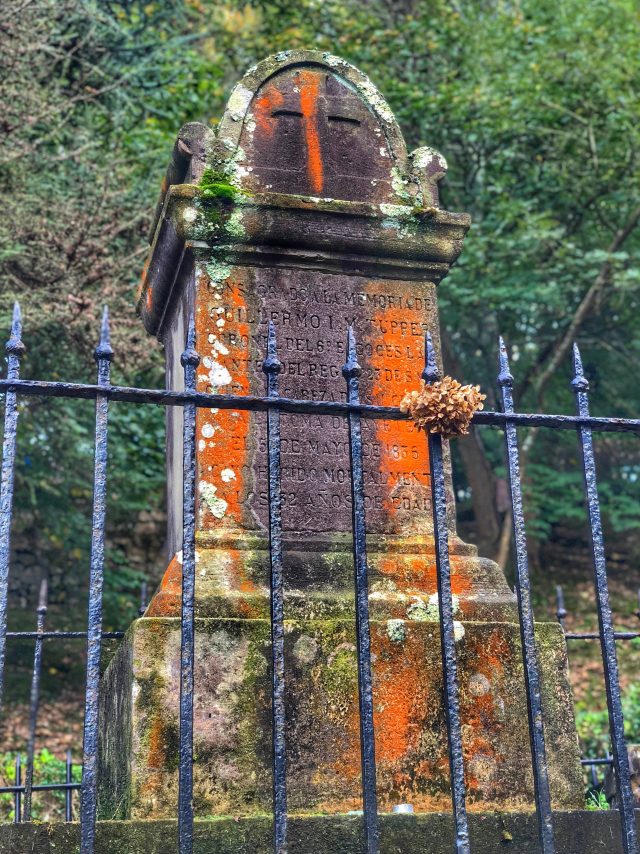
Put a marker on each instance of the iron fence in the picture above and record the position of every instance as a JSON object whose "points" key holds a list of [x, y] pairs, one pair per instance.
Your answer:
{"points": [[103, 392]]}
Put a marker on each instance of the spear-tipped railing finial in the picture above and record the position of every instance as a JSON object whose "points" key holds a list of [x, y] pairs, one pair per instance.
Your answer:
{"points": [[15, 346], [431, 372], [579, 383], [190, 354], [104, 349], [272, 364], [505, 377]]}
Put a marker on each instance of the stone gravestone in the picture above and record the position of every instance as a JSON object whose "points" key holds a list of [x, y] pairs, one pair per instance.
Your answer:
{"points": [[305, 210]]}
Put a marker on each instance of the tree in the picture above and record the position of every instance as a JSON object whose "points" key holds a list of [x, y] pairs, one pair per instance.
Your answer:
{"points": [[533, 103]]}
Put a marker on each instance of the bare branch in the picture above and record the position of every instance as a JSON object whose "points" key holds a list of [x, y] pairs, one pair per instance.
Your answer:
{"points": [[584, 309]]}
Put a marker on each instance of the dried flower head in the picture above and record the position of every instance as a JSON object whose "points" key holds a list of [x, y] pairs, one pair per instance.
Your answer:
{"points": [[445, 407]]}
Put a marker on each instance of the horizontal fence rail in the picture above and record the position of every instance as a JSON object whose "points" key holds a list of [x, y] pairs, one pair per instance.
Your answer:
{"points": [[103, 393], [256, 403]]}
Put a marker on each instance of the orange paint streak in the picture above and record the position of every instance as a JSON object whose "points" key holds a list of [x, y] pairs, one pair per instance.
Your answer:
{"points": [[309, 92], [404, 456], [156, 755], [399, 691], [270, 99], [226, 449], [167, 600]]}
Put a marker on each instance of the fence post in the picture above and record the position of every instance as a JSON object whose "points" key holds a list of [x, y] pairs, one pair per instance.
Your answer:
{"points": [[272, 367], [431, 374], [351, 371], [88, 800], [190, 361], [35, 699], [541, 789], [15, 349], [580, 386]]}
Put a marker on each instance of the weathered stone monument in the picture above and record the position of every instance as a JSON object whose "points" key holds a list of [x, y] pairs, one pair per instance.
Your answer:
{"points": [[305, 209]]}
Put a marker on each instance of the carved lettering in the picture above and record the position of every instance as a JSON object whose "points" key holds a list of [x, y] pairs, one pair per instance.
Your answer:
{"points": [[310, 313]]}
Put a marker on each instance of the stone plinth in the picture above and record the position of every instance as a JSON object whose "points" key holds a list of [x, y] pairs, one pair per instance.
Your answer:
{"points": [[576, 832], [232, 718], [306, 211]]}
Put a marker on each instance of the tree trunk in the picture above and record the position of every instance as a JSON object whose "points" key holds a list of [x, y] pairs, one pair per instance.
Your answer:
{"points": [[478, 472], [483, 493]]}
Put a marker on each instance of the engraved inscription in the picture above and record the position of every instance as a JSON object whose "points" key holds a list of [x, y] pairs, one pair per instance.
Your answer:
{"points": [[310, 312]]}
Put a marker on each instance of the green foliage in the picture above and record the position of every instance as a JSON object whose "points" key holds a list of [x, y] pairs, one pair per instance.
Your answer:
{"points": [[215, 185], [593, 726], [46, 806], [596, 800], [532, 103]]}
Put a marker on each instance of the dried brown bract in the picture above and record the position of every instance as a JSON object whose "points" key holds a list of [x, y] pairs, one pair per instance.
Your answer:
{"points": [[445, 407]]}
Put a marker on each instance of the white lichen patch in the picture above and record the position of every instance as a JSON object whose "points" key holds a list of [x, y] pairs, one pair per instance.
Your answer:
{"points": [[396, 211], [208, 430], [399, 184], [376, 100], [189, 215], [333, 61], [227, 475], [420, 611], [217, 506], [305, 649], [218, 272], [234, 226], [396, 631], [479, 685], [219, 349], [219, 375], [239, 101], [425, 157]]}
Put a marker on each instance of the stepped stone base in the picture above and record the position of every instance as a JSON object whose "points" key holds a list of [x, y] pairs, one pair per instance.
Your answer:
{"points": [[233, 579], [232, 718], [576, 832]]}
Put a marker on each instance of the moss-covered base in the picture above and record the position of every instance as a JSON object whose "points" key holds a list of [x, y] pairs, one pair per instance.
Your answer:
{"points": [[576, 833], [232, 718]]}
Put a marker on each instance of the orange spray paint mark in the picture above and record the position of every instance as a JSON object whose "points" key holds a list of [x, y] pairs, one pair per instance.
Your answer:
{"points": [[222, 435], [156, 756], [404, 456], [309, 91], [399, 690], [270, 100]]}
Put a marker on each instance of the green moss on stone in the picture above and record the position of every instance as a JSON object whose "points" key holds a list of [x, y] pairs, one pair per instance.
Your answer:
{"points": [[214, 184], [576, 831]]}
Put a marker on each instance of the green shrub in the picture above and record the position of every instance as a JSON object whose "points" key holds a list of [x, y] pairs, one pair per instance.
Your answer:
{"points": [[593, 726], [47, 768]]}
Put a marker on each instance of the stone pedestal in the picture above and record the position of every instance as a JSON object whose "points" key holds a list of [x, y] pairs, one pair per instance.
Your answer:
{"points": [[232, 718], [305, 210]]}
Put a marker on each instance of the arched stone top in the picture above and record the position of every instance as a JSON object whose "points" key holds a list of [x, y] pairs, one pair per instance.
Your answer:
{"points": [[309, 123]]}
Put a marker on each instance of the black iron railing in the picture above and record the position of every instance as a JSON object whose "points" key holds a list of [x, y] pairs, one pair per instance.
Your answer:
{"points": [[508, 420]]}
